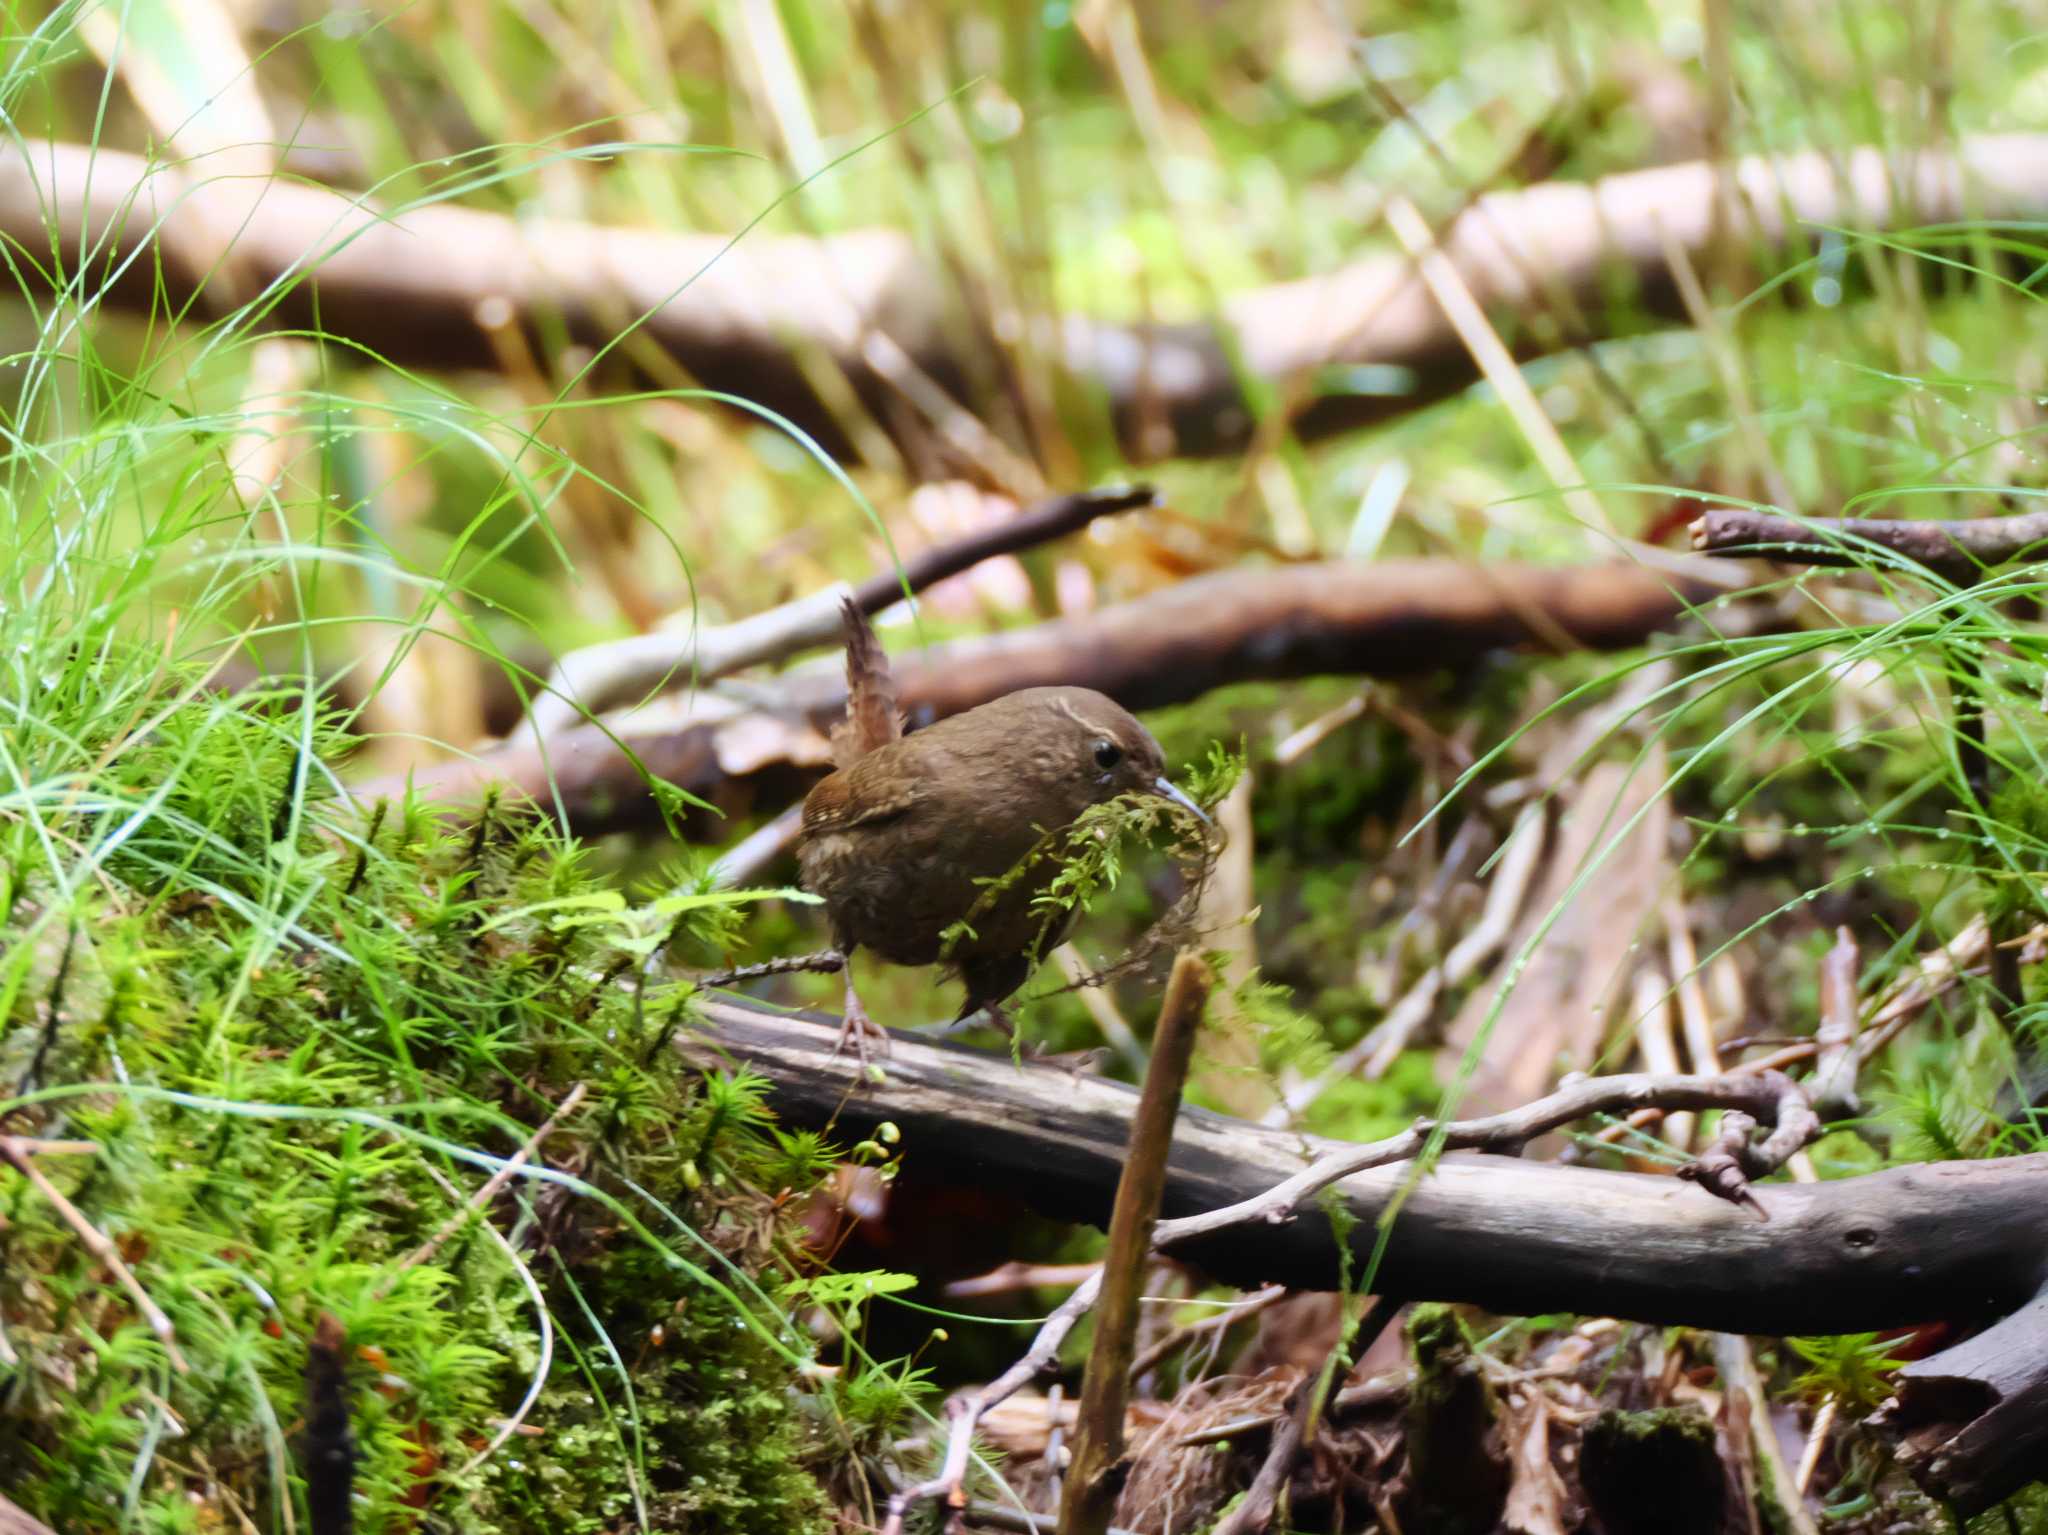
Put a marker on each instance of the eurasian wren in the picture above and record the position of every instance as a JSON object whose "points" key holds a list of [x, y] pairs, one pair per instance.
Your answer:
{"points": [[902, 840]]}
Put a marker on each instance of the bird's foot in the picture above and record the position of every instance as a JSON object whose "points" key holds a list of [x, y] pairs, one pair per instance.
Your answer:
{"points": [[868, 1040]]}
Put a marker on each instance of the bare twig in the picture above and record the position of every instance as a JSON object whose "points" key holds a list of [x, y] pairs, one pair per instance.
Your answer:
{"points": [[966, 1412], [1008, 1278], [1960, 549], [1223, 1317], [598, 676], [1774, 1098], [824, 962], [1095, 1475], [493, 1186], [1816, 1442], [1255, 1511], [12, 1152]]}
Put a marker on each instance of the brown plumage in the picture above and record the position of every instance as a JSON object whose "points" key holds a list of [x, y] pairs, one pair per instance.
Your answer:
{"points": [[871, 718], [901, 840]]}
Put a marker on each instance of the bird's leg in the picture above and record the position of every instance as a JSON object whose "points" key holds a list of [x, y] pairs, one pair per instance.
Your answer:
{"points": [[858, 1029]]}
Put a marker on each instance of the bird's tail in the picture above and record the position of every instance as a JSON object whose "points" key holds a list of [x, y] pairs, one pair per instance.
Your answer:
{"points": [[871, 717]]}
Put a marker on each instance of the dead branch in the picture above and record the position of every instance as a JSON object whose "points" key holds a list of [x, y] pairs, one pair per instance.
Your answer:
{"points": [[600, 676], [824, 962], [1255, 1513], [1959, 550], [967, 1411], [1225, 1317], [491, 1189], [1096, 1474], [410, 284], [1857, 1254], [1391, 618]]}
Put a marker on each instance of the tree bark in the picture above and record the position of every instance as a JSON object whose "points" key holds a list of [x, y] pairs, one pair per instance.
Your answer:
{"points": [[409, 283]]}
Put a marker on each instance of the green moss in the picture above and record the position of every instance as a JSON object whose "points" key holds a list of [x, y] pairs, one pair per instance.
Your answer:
{"points": [[299, 1039]]}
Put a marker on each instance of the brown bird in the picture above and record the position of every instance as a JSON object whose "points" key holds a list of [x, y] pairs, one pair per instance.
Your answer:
{"points": [[902, 839]]}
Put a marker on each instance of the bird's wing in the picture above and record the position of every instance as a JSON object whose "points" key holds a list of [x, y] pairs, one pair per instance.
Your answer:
{"points": [[848, 799], [871, 718]]}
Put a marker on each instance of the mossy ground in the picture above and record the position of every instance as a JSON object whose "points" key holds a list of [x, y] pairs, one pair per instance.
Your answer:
{"points": [[298, 1037]]}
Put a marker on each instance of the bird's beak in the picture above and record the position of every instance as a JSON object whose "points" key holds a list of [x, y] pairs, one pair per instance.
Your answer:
{"points": [[1167, 791]]}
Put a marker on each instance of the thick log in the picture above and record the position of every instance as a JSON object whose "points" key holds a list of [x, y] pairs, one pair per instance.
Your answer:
{"points": [[1963, 1240], [1398, 618], [409, 283]]}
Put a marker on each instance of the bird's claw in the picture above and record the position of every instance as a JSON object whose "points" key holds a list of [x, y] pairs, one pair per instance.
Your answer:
{"points": [[867, 1038]]}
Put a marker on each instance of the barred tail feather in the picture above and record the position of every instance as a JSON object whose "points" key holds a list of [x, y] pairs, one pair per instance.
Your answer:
{"points": [[871, 718]]}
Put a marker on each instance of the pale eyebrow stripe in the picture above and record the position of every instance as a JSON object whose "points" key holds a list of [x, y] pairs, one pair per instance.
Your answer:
{"points": [[1081, 719]]}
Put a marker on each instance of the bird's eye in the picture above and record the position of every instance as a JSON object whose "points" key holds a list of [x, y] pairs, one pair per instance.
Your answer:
{"points": [[1108, 754]]}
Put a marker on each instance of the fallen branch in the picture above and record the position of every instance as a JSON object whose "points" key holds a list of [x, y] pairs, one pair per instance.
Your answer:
{"points": [[410, 284], [1961, 1240], [966, 1411], [1391, 618], [599, 676], [1959, 550]]}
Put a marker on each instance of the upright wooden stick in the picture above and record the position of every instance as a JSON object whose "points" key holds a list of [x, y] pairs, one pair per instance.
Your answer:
{"points": [[1097, 1475]]}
